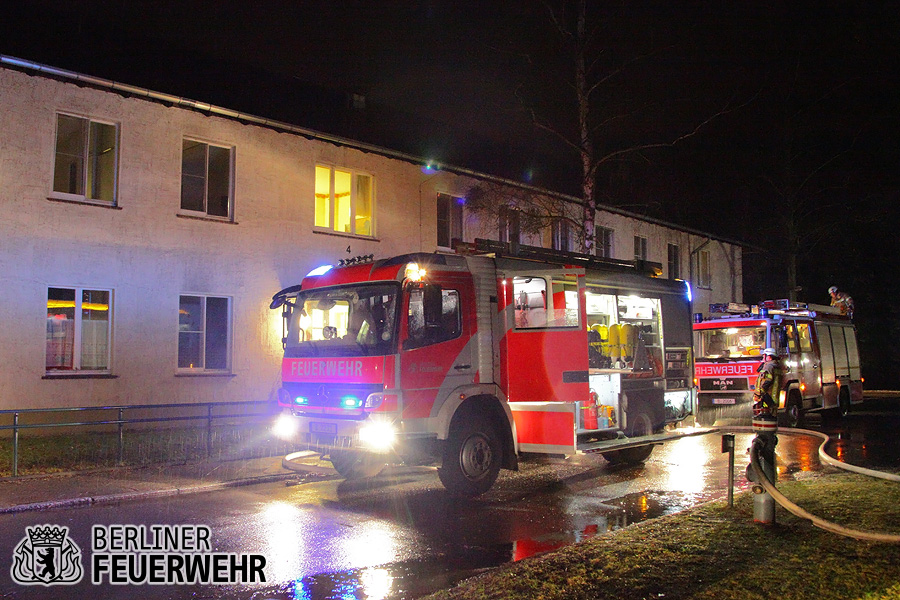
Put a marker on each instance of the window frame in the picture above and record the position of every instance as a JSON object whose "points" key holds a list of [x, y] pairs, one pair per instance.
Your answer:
{"points": [[443, 334], [86, 160], [674, 262], [510, 222], [606, 236], [354, 197], [204, 214], [704, 270], [561, 235], [229, 335], [78, 333], [455, 219], [640, 248]]}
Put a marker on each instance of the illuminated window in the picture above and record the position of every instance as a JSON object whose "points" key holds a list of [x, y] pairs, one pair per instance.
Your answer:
{"points": [[78, 329], [344, 201], [86, 160], [603, 239], [206, 179], [449, 220], [204, 339]]}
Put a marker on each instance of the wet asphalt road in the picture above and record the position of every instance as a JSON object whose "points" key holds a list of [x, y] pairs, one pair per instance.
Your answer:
{"points": [[400, 536]]}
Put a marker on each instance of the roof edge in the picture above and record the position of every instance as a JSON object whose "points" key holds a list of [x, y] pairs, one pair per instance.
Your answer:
{"points": [[187, 103]]}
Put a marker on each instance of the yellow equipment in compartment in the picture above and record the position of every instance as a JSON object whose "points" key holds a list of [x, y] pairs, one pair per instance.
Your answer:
{"points": [[603, 332], [627, 339], [615, 349]]}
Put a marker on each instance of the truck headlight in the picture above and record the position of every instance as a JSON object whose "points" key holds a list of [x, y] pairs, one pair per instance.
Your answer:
{"points": [[377, 435], [285, 426]]}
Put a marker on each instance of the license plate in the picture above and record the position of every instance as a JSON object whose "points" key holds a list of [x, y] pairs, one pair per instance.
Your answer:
{"points": [[329, 428], [723, 400]]}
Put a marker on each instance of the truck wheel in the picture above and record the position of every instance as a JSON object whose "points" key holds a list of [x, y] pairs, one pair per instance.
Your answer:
{"points": [[472, 457], [352, 464], [793, 411], [844, 402], [639, 425], [628, 456]]}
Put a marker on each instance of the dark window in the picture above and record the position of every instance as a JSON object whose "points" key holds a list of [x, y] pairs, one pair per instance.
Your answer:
{"points": [[603, 239], [86, 160], [640, 248], [449, 220], [206, 179], [510, 225], [561, 238], [674, 262]]}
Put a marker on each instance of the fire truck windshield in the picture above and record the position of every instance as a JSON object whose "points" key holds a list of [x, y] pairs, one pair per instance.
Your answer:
{"points": [[730, 343], [352, 320]]}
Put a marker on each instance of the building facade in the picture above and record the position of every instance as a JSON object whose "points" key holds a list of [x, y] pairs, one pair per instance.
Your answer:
{"points": [[142, 238]]}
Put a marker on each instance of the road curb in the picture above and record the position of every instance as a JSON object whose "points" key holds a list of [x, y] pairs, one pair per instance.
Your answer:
{"points": [[106, 499]]}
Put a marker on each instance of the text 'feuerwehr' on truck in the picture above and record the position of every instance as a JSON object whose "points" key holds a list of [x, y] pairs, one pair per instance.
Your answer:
{"points": [[472, 360]]}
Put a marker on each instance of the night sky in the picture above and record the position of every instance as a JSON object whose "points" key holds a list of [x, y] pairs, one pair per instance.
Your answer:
{"points": [[779, 108]]}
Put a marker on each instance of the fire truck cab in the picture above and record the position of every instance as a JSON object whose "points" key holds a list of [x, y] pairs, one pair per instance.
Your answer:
{"points": [[472, 360], [817, 347]]}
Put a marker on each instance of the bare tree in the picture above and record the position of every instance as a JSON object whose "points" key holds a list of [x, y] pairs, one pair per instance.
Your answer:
{"points": [[537, 210], [593, 64]]}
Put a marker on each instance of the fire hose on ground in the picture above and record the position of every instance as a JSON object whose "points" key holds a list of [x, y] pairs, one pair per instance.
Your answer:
{"points": [[818, 521]]}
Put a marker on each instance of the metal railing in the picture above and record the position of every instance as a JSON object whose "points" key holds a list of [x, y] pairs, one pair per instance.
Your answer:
{"points": [[207, 410]]}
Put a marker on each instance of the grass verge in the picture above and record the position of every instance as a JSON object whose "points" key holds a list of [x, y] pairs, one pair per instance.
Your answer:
{"points": [[712, 552], [79, 451]]}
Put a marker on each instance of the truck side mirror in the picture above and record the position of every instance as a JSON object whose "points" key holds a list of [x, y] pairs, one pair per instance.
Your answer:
{"points": [[432, 304]]}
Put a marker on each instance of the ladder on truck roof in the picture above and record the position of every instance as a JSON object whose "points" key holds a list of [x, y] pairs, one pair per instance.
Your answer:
{"points": [[782, 307], [559, 257]]}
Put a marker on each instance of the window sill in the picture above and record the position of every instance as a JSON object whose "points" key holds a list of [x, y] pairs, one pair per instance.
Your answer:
{"points": [[204, 374], [74, 375], [84, 202], [201, 218], [342, 234]]}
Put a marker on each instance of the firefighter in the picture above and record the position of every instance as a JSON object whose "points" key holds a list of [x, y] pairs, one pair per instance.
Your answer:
{"points": [[769, 373], [842, 301]]}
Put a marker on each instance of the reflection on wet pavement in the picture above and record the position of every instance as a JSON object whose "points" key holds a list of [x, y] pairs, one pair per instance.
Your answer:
{"points": [[551, 504]]}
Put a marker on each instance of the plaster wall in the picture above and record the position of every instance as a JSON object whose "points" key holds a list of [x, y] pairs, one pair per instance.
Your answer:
{"points": [[148, 252]]}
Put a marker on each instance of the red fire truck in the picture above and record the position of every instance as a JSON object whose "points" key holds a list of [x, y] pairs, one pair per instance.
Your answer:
{"points": [[818, 350], [472, 359]]}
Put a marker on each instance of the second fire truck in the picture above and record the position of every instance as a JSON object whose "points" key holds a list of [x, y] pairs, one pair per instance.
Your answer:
{"points": [[818, 350], [472, 360]]}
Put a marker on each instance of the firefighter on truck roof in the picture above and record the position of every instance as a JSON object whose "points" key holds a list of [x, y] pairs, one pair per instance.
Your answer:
{"points": [[842, 301]]}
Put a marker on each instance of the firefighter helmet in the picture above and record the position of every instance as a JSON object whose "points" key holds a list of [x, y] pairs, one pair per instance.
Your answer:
{"points": [[832, 290], [769, 352]]}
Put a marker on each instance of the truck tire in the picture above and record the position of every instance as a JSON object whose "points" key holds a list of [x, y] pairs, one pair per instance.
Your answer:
{"points": [[793, 410], [628, 456], [471, 458], [638, 425], [352, 464]]}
